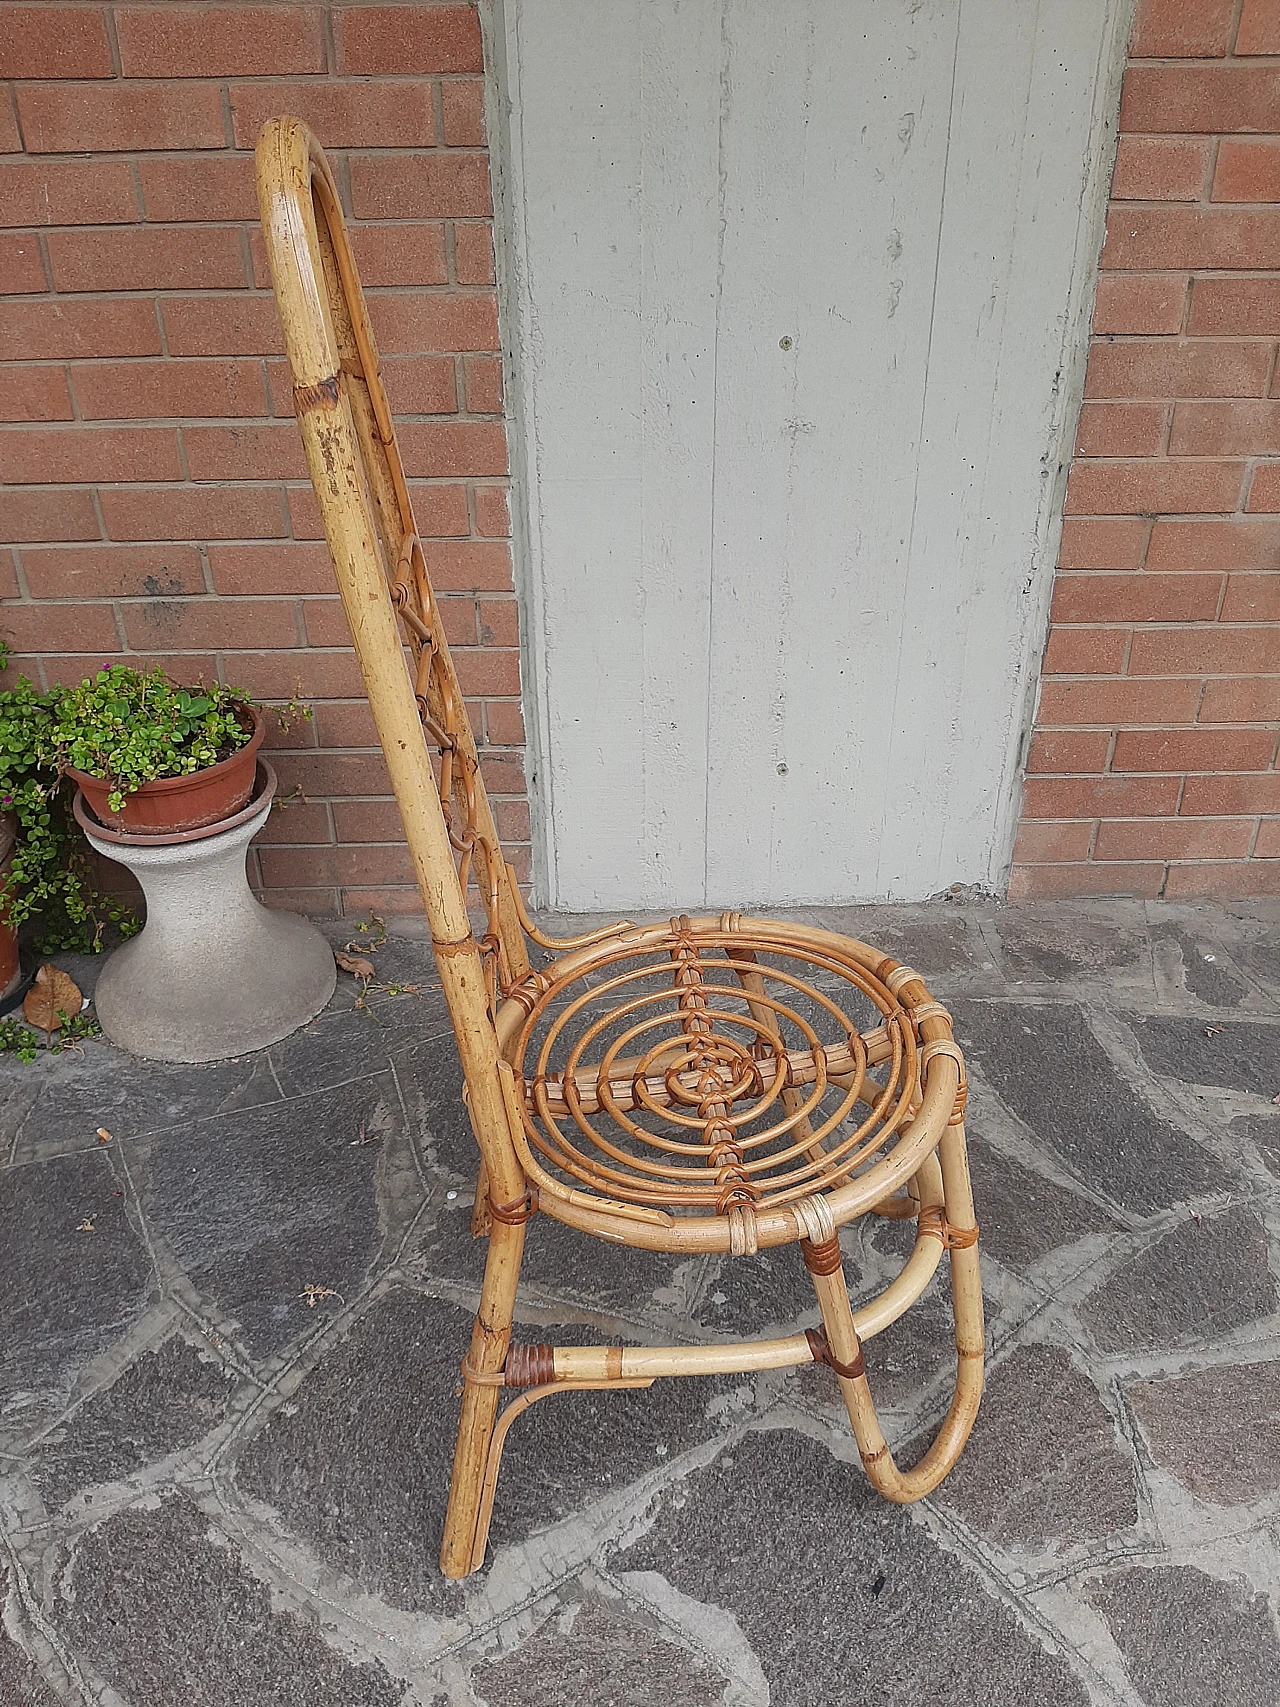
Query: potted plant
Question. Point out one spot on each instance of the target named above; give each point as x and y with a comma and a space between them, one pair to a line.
152, 758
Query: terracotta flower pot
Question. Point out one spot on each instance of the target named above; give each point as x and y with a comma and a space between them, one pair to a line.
175, 803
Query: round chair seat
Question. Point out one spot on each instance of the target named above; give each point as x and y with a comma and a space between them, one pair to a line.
721, 1067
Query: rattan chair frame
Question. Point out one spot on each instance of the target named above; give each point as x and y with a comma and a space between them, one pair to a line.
708, 1181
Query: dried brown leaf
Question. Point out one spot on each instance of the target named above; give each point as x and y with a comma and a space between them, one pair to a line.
353, 963
53, 994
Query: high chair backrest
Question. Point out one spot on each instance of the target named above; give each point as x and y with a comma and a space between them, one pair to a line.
381, 572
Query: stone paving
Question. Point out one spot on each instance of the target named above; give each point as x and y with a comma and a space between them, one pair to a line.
229, 1342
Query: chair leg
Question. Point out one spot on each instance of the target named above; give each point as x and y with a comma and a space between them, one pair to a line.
903, 1486
481, 1220
489, 1342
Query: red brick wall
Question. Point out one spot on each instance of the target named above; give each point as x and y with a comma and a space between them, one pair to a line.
155, 502
1152, 768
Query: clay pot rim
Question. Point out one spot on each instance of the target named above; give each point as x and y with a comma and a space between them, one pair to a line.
264, 788
163, 785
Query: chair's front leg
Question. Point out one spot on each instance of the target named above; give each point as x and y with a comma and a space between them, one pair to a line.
481, 1220
903, 1486
490, 1339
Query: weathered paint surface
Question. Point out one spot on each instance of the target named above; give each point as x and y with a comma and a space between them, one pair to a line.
796, 305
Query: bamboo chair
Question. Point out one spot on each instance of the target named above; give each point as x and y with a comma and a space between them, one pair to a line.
693, 1087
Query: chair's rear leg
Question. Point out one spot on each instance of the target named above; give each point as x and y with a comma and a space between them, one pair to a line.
490, 1339
845, 1348
481, 1220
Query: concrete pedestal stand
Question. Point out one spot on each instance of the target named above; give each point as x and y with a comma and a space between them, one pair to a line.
212, 973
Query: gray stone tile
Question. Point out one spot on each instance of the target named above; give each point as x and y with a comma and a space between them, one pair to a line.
1043, 948
1207, 974
843, 1597
21, 1684
1240, 1055
1189, 1638
351, 1043
1023, 1216
594, 1274
1217, 1431
1264, 1131
1045, 1065
358, 1462
1043, 1465
69, 1294
165, 1613
1196, 1283
165, 1400
262, 1205
604, 1657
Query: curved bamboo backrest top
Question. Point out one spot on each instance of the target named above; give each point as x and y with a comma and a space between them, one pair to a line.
378, 558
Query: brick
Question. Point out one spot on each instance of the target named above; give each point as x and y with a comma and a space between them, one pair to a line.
487, 670
432, 449
8, 576
388, 862
1157, 168
219, 41
1085, 651
117, 118
1234, 307
1209, 99
1076, 704
1100, 797
367, 821
1153, 487
1267, 845
35, 394
1239, 427
1254, 598
10, 138
1140, 302
499, 623
147, 258
1255, 700
482, 377
1121, 429
346, 115
1226, 882
325, 773
326, 622
513, 821
460, 618
493, 520
315, 903
64, 455
439, 510
67, 192
473, 253
239, 325
300, 823
462, 102
1207, 369
161, 390
469, 565
504, 722
193, 512
1217, 651
412, 324
1174, 838
54, 41
214, 187
386, 902
1055, 752
349, 723
1214, 546
1264, 489
1103, 544
59, 628
1221, 796
405, 40
280, 567
405, 254
1040, 843
450, 185
421, 385
38, 514
258, 452
1058, 882
190, 667
107, 572
306, 674
313, 867
1247, 171
1173, 237
1193, 750
21, 264
54, 331
1259, 30
1141, 597
503, 774
194, 624
1191, 29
